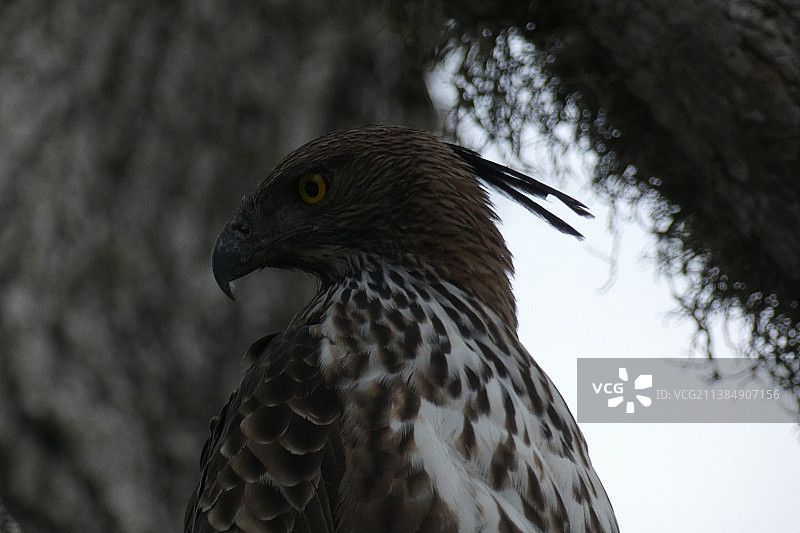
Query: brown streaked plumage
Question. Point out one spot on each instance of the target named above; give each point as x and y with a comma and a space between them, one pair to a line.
400, 398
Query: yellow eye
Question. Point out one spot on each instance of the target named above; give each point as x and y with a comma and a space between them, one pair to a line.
311, 188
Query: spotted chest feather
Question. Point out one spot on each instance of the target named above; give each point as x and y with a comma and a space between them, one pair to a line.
447, 422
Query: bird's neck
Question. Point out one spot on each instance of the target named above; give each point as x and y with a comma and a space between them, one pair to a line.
482, 278
400, 309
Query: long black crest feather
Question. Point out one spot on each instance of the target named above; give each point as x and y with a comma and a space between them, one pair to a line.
516, 186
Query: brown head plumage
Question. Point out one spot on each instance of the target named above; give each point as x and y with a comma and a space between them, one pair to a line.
392, 192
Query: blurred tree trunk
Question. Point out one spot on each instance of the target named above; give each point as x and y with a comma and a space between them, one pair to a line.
129, 132
7, 522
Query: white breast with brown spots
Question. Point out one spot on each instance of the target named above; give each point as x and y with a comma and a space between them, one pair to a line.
447, 422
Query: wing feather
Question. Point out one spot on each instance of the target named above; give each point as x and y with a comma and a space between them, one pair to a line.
274, 460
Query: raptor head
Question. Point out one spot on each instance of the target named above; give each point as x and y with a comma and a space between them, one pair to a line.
386, 192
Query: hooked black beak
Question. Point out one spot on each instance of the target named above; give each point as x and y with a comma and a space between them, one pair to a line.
230, 260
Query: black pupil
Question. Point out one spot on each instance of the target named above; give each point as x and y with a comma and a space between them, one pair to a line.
311, 188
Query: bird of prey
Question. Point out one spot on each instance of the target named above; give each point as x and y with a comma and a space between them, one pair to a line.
400, 398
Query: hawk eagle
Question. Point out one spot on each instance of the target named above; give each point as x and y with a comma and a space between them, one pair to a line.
400, 398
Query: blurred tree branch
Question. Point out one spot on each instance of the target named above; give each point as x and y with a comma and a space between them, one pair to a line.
693, 109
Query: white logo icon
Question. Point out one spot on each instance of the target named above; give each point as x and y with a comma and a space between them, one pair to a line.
644, 381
